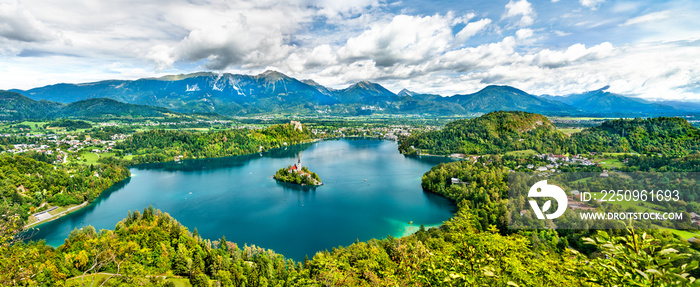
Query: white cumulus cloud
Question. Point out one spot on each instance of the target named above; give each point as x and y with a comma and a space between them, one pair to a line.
405, 39
522, 9
471, 29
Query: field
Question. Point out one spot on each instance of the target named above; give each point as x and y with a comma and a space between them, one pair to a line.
580, 118
91, 157
611, 162
648, 206
522, 153
100, 277
685, 234
569, 131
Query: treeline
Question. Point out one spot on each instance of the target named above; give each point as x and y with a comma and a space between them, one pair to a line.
164, 145
663, 135
27, 183
70, 125
501, 132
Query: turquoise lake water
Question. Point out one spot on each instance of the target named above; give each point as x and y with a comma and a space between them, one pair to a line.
370, 191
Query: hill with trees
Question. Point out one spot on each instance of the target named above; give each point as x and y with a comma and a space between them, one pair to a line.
663, 135
496, 132
165, 145
501, 132
14, 106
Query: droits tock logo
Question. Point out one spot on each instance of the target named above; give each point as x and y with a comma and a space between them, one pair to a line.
542, 189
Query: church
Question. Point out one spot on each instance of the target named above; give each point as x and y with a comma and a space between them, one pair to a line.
297, 167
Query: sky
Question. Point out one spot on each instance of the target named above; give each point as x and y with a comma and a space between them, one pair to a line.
648, 49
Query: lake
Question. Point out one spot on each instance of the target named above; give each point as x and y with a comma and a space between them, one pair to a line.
370, 191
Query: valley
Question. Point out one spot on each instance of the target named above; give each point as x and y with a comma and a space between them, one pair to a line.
478, 152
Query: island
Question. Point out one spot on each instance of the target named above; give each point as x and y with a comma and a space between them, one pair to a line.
297, 174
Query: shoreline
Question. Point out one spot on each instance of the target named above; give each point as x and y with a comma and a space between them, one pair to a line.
56, 216
410, 229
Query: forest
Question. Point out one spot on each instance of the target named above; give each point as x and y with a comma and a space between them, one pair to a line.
493, 133
164, 145
501, 132
28, 185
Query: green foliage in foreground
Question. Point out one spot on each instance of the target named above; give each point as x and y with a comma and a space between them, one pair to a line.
305, 178
465, 251
164, 145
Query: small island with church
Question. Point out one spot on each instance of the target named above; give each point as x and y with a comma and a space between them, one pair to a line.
298, 174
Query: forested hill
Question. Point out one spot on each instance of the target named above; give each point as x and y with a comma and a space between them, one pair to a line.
663, 135
14, 106
165, 145
501, 132
495, 132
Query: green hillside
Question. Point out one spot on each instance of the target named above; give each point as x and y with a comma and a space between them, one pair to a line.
502, 132
663, 135
496, 132
108, 108
14, 106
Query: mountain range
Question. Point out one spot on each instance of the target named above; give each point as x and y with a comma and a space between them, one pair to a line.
14, 106
275, 93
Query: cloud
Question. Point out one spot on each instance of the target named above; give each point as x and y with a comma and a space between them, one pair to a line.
471, 29
577, 52
651, 17
340, 42
591, 4
249, 35
18, 24
524, 33
406, 38
338, 8
522, 9
561, 33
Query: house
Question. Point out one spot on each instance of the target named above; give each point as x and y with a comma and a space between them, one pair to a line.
575, 193
456, 180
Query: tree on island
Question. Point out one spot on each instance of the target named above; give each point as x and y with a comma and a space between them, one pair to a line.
298, 175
